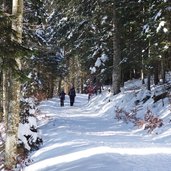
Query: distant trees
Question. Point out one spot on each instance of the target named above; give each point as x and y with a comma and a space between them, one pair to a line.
134, 44
41, 35
144, 39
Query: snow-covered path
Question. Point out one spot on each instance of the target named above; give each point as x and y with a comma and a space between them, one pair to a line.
87, 137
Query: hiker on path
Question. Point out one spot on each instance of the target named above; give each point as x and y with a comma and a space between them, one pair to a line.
62, 97
90, 91
72, 95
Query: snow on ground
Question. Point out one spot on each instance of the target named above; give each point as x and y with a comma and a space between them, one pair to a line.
88, 137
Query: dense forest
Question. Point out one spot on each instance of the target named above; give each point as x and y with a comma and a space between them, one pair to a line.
46, 46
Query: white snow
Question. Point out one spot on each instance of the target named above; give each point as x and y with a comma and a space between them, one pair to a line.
93, 70
165, 30
104, 20
104, 57
157, 15
146, 28
98, 62
88, 137
161, 24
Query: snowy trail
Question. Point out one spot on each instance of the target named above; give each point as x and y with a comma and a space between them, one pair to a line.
86, 137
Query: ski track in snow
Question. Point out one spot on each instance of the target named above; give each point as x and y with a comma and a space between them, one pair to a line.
85, 138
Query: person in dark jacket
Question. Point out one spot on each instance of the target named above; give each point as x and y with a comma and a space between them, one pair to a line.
62, 97
72, 95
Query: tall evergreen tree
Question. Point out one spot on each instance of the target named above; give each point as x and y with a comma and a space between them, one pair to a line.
116, 75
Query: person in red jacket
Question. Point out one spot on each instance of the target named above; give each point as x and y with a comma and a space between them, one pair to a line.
90, 91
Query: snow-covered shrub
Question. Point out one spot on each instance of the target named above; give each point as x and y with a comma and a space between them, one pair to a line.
28, 134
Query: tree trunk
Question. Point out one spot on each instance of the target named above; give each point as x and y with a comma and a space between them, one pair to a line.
7, 8
142, 70
1, 94
149, 70
142, 76
163, 71
116, 75
149, 81
156, 73
59, 85
6, 83
12, 125
14, 106
51, 86
142, 55
72, 71
82, 85
122, 78
17, 23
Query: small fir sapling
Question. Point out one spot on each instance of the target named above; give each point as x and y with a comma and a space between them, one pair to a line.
29, 137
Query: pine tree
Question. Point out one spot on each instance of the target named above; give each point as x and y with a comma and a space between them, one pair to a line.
116, 75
